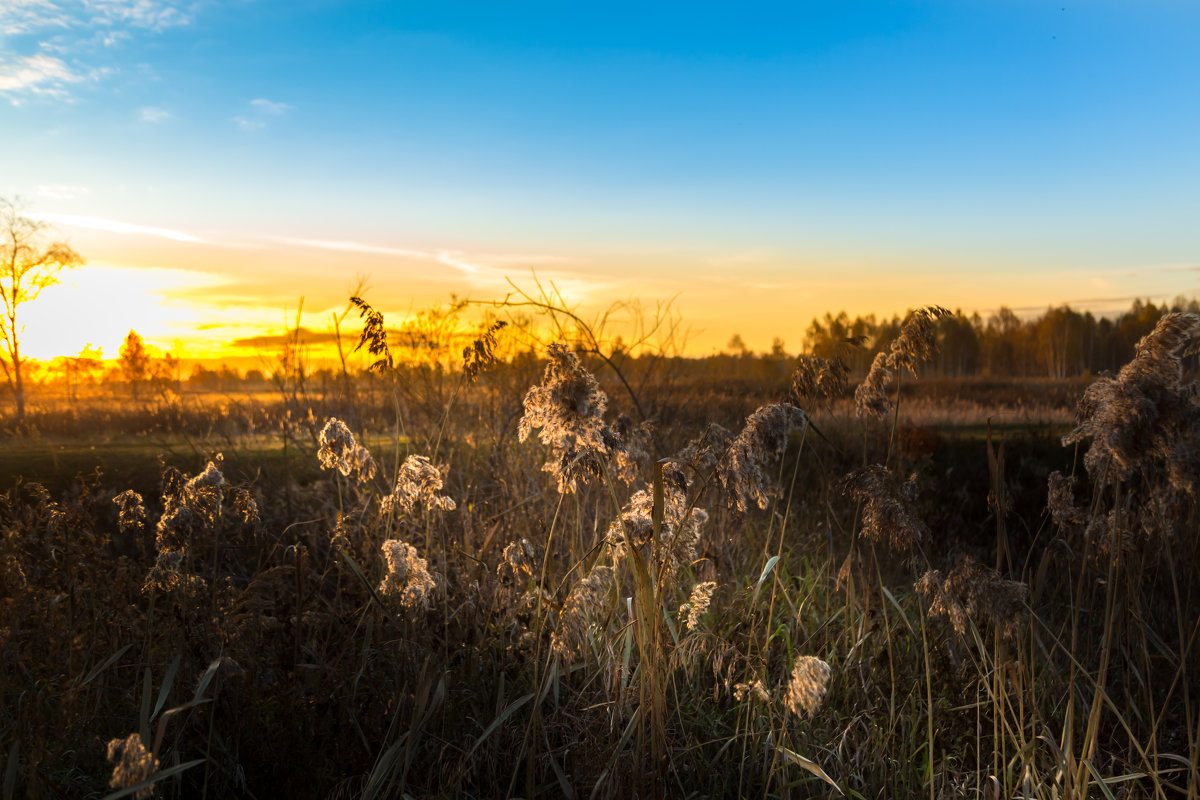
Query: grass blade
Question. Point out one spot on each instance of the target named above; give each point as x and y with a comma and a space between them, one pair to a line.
811, 766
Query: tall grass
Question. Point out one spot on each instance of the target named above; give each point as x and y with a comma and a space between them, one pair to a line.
533, 594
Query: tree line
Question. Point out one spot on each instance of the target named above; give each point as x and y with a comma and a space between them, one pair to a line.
1060, 343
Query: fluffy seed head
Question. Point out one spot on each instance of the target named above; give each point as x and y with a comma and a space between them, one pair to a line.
568, 406
679, 538
819, 380
806, 689
1146, 417
697, 604
764, 438
917, 342
417, 487
754, 689
973, 592
584, 604
131, 511
888, 515
407, 581
134, 764
339, 451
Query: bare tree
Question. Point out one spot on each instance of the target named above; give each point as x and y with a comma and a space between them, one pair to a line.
27, 266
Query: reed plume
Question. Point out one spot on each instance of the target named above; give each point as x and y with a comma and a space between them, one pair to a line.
917, 342
697, 603
134, 764
568, 406
407, 581
765, 437
417, 487
481, 353
339, 451
1146, 417
374, 336
974, 592
679, 539
888, 515
807, 687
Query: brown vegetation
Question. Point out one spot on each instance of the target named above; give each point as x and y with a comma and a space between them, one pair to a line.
764, 594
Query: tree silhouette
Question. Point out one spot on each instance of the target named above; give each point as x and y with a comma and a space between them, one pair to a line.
26, 268
135, 362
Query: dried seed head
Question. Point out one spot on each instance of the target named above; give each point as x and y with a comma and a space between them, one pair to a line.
679, 538
764, 438
481, 353
973, 592
806, 689
134, 764
131, 511
569, 408
697, 604
408, 581
583, 605
374, 336
1145, 417
755, 689
417, 487
517, 560
819, 380
698, 459
191, 507
339, 451
917, 342
888, 516
1060, 500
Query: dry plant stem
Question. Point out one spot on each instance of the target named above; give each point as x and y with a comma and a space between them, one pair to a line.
1088, 750
551, 303
929, 752
539, 677
1186, 643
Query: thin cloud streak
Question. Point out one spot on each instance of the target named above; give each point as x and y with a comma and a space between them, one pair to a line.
116, 226
270, 107
355, 247
259, 110
154, 115
61, 192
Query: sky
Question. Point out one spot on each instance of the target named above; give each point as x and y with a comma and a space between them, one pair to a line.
756, 164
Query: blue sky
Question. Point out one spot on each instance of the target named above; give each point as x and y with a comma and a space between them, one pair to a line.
765, 162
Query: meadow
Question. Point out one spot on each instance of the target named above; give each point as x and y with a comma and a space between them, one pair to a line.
546, 571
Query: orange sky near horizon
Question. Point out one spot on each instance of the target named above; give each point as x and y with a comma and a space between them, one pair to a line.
196, 294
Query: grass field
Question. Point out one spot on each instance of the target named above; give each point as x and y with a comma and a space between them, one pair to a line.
510, 586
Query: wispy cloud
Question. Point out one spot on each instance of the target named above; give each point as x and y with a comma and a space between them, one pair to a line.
482, 269
742, 258
28, 17
154, 115
53, 44
36, 75
61, 192
270, 106
355, 247
116, 226
257, 113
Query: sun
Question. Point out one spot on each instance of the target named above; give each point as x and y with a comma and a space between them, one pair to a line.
99, 304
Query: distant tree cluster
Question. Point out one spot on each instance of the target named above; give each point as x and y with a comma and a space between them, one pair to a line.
1060, 343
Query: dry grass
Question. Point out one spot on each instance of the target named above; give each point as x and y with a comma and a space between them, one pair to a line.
775, 600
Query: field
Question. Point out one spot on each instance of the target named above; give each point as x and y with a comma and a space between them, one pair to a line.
500, 580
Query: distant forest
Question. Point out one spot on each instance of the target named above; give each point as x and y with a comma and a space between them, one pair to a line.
1061, 343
